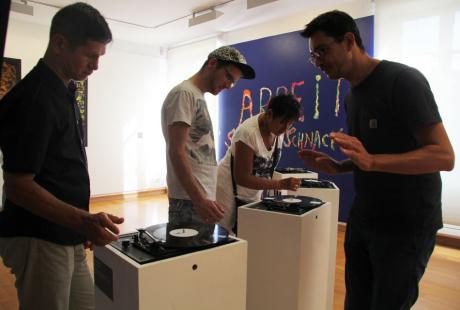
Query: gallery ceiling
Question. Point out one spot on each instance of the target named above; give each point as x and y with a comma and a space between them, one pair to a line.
166, 22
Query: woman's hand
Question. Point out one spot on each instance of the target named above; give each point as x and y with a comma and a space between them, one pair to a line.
291, 184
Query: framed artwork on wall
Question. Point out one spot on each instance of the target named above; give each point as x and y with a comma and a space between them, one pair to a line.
11, 74
81, 96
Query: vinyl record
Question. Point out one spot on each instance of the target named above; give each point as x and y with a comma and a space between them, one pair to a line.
291, 200
315, 183
292, 170
289, 203
188, 235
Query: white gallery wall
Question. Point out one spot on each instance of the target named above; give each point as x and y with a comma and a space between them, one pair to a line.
425, 34
125, 145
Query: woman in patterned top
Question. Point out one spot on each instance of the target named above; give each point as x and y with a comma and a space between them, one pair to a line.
253, 154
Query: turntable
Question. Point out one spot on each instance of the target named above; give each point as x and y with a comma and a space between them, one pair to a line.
165, 240
290, 252
288, 204
290, 172
172, 266
322, 189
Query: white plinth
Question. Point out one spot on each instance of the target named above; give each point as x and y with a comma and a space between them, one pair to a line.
205, 280
291, 258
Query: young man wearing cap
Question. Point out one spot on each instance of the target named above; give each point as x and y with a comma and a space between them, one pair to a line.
396, 147
187, 129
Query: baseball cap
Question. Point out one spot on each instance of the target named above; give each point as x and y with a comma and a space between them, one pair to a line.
233, 56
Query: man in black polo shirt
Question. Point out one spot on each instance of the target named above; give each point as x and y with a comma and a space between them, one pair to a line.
45, 224
396, 147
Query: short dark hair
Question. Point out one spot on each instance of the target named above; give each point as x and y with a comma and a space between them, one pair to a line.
334, 24
284, 106
80, 22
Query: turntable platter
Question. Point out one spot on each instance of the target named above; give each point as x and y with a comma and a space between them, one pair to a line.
185, 235
183, 232
291, 200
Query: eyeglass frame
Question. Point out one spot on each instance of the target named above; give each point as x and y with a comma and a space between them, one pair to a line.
321, 51
229, 77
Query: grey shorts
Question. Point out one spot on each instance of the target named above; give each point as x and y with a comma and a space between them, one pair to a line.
48, 275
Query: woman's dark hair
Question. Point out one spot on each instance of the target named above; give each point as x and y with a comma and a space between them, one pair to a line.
334, 24
80, 22
284, 106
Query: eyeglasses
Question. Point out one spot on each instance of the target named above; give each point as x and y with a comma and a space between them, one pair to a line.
229, 78
319, 52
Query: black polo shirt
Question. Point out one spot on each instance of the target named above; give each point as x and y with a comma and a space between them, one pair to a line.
39, 134
384, 112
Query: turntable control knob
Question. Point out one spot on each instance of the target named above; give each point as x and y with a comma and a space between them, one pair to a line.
125, 243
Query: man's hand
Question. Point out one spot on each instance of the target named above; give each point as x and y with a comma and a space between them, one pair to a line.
353, 149
289, 184
209, 211
319, 161
100, 228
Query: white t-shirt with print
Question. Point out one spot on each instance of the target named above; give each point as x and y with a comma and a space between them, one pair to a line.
248, 133
185, 103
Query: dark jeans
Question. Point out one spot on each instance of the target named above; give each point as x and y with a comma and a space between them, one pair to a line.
383, 269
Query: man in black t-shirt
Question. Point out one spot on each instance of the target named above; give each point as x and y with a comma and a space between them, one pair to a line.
396, 147
45, 225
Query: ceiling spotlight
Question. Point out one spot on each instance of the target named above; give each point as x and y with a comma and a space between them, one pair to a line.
23, 8
254, 3
203, 18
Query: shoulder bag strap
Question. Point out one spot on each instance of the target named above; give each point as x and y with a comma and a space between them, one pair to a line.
235, 193
275, 158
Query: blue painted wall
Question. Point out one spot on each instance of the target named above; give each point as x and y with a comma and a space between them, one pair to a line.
281, 64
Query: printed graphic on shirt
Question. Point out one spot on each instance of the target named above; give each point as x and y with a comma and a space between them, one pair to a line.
202, 148
262, 166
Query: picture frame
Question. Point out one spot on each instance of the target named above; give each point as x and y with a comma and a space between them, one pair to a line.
81, 97
11, 74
